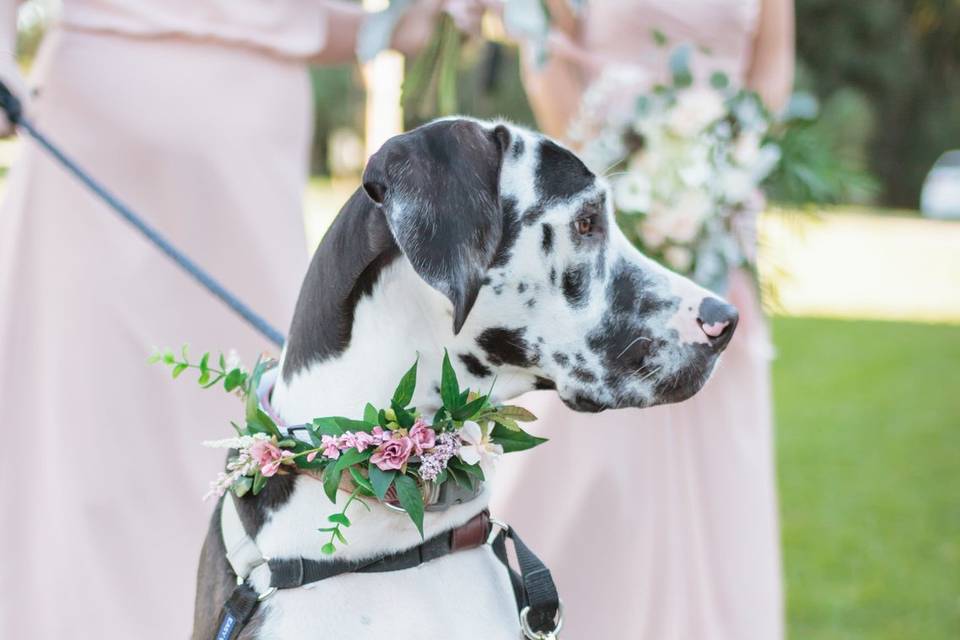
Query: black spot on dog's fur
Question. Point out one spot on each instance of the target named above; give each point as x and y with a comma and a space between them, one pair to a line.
579, 357
511, 229
561, 359
521, 287
474, 366
546, 242
505, 346
533, 214
576, 285
543, 384
561, 174
531, 303
498, 289
254, 510
553, 276
517, 148
583, 375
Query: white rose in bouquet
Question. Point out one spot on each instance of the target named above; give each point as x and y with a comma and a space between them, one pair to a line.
632, 192
694, 110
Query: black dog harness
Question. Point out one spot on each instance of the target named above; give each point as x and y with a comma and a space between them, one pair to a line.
538, 604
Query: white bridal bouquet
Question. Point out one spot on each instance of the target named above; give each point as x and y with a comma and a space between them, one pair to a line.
685, 166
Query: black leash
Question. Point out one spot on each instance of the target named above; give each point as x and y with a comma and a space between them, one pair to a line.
11, 104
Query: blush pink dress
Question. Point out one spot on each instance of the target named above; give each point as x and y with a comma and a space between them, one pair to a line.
661, 524
198, 114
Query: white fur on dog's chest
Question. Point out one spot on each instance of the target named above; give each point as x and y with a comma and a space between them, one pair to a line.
464, 596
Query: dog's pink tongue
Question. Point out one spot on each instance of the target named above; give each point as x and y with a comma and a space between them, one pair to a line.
714, 330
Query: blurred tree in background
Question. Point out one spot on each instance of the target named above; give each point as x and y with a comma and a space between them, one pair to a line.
887, 73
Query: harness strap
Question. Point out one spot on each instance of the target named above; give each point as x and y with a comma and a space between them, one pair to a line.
289, 573
536, 595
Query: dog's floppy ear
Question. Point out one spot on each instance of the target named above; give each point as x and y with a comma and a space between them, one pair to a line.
438, 187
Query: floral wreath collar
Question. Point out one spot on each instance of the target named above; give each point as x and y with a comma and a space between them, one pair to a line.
392, 454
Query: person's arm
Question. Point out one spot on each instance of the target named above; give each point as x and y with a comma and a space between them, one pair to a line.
772, 62
9, 71
344, 20
555, 88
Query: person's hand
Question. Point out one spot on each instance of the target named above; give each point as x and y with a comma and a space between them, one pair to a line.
10, 76
416, 26
468, 14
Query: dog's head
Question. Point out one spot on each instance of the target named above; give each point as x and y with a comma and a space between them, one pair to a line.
520, 237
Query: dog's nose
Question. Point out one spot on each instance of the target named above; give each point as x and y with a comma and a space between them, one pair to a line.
718, 320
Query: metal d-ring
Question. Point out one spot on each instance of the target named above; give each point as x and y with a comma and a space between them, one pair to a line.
270, 590
530, 634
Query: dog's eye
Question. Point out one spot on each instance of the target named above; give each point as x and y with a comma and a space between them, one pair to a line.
584, 225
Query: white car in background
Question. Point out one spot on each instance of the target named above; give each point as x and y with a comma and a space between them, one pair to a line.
940, 197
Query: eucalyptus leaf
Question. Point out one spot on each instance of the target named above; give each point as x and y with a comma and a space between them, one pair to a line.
404, 392
327, 427
381, 480
180, 368
242, 486
404, 418
449, 386
360, 481
517, 413
346, 424
680, 66
328, 548
339, 518
259, 482
468, 410
512, 440
351, 457
411, 499
331, 482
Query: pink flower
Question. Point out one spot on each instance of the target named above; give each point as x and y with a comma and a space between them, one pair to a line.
362, 440
264, 451
393, 453
347, 441
381, 435
312, 456
268, 456
423, 436
330, 448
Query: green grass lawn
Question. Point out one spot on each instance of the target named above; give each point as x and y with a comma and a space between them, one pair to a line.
868, 418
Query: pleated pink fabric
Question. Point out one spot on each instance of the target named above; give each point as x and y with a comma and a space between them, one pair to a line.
102, 517
661, 524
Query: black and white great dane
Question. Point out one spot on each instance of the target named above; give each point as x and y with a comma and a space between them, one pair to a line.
500, 245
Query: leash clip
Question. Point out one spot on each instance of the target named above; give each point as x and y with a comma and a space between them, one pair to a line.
530, 634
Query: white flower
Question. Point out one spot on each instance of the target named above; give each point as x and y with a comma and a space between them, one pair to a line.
238, 442
746, 148
736, 185
679, 258
682, 220
631, 192
694, 110
233, 361
478, 448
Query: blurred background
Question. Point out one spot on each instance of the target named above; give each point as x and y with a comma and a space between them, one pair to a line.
866, 315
